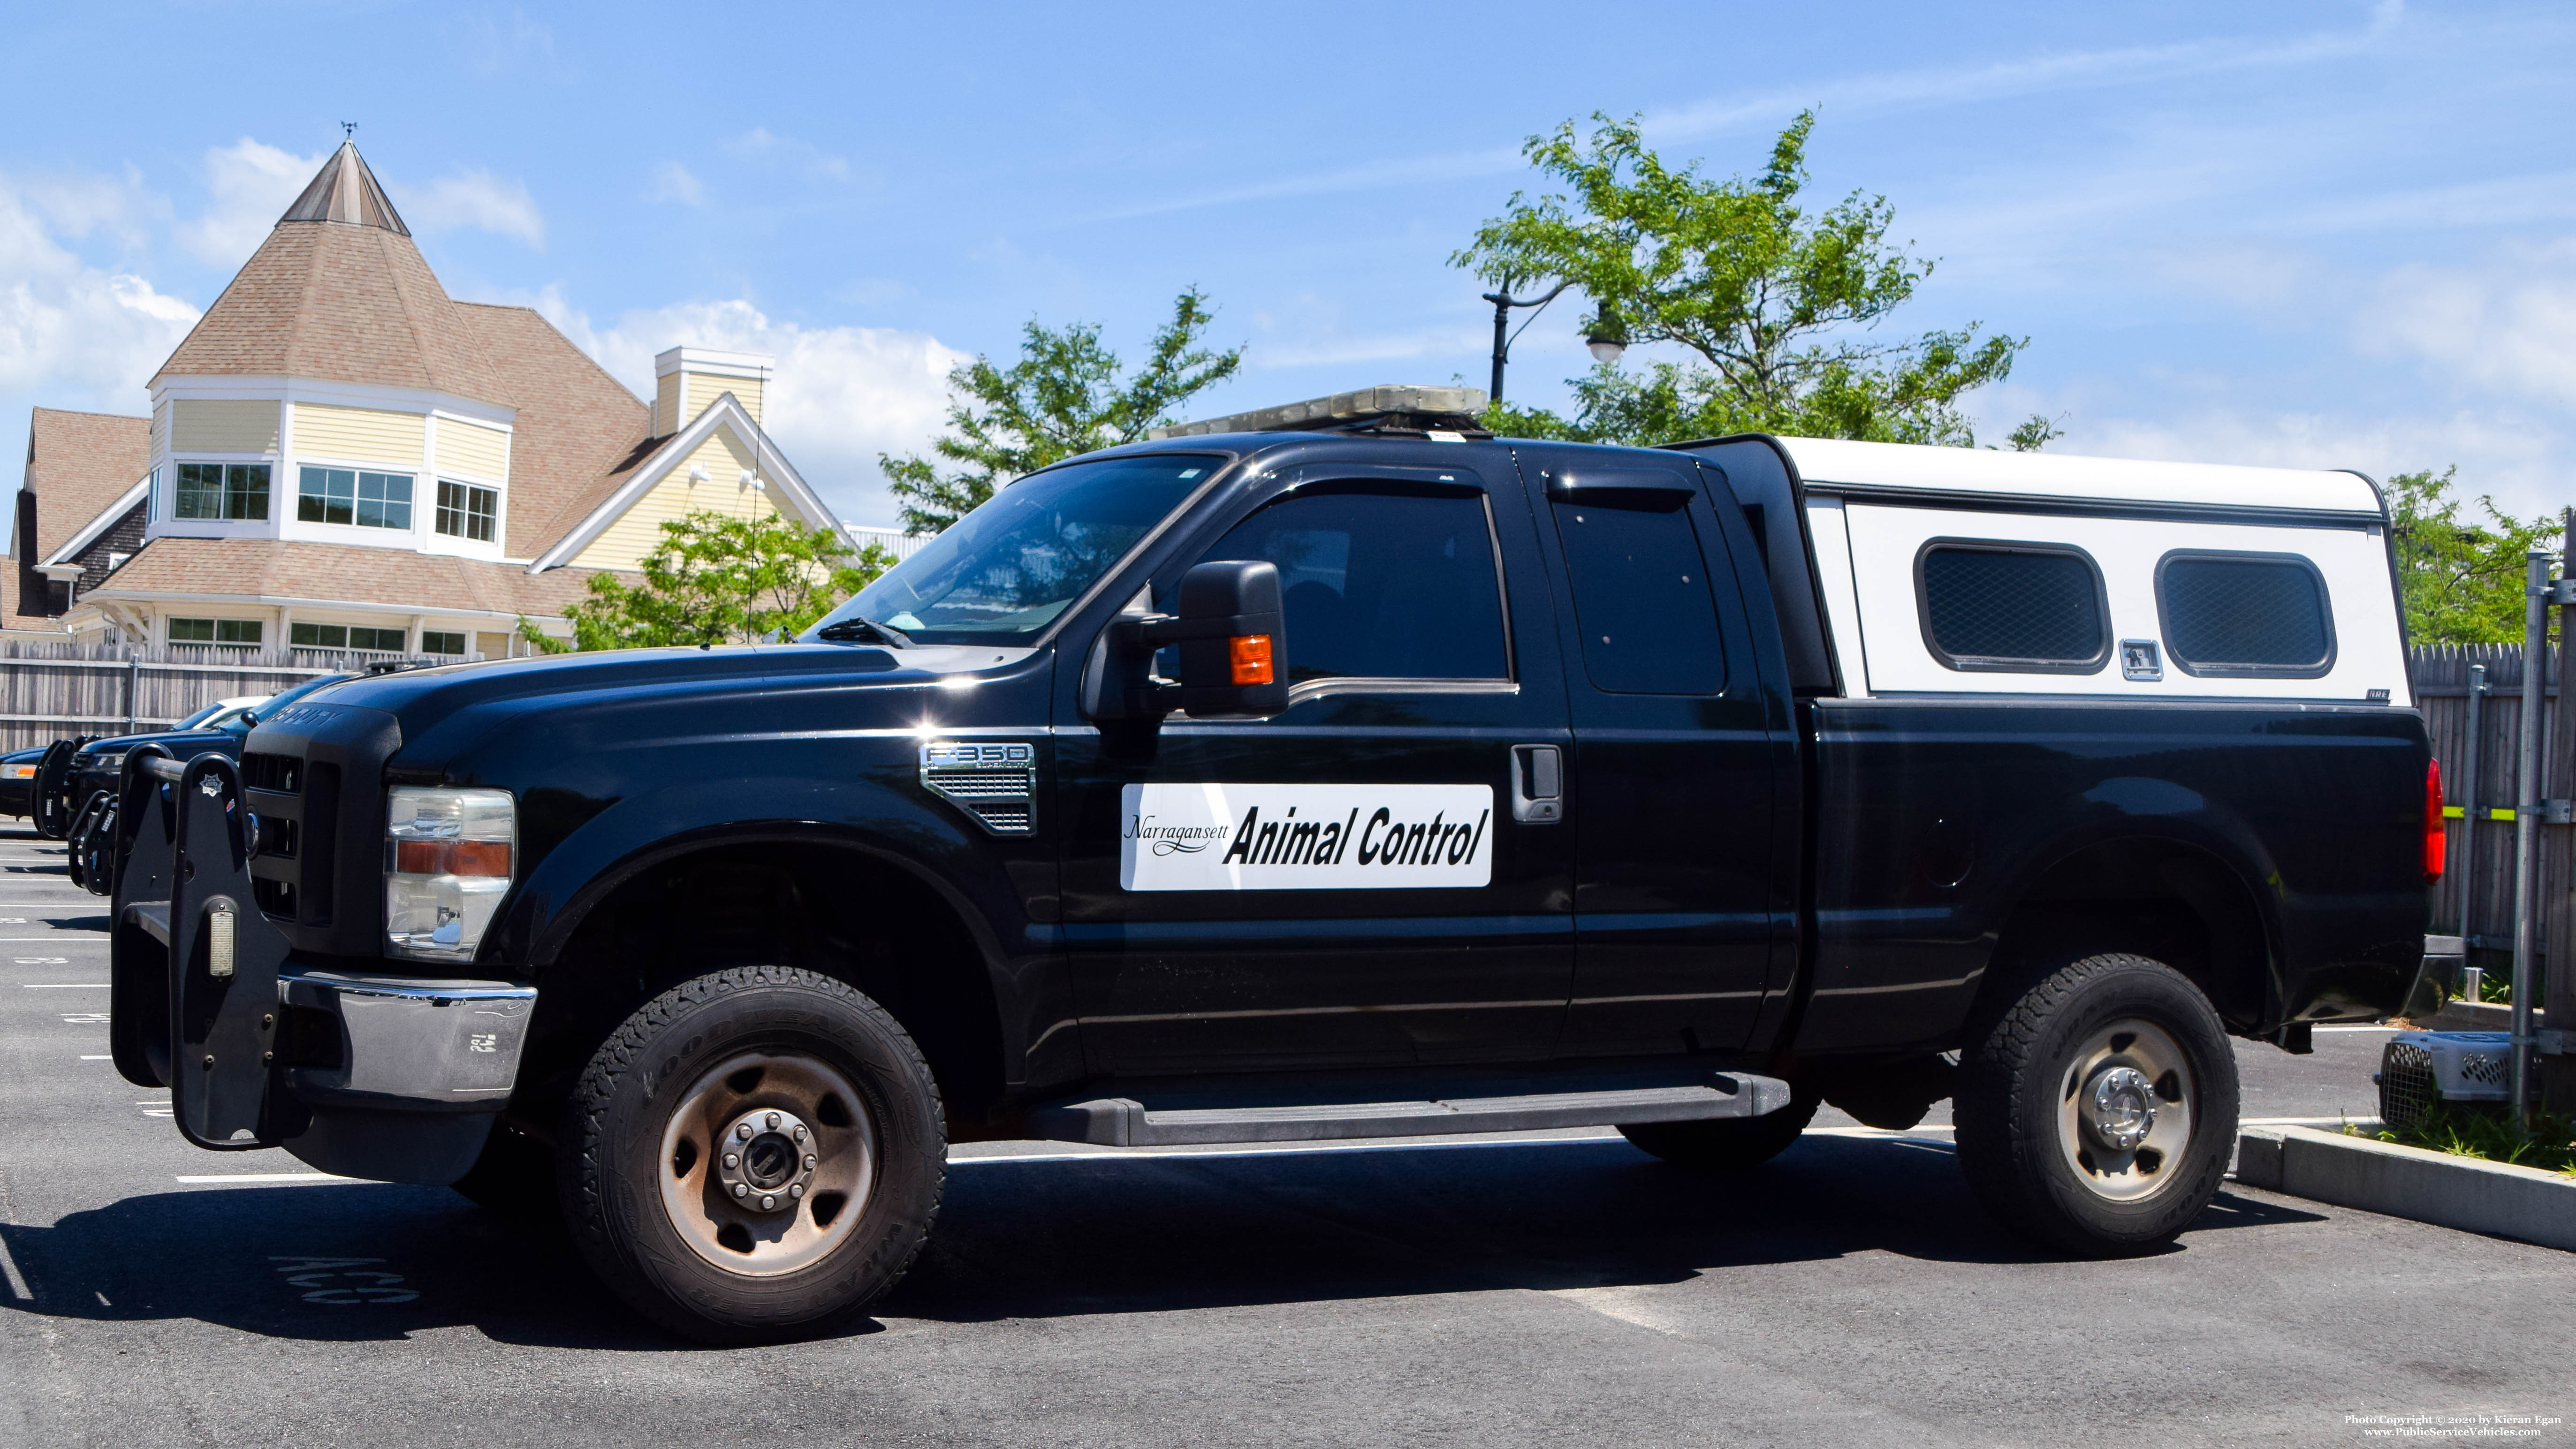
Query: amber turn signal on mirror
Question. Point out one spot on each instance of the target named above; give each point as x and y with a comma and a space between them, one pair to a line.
1251, 656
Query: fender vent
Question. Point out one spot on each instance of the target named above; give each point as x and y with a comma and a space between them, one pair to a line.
996, 782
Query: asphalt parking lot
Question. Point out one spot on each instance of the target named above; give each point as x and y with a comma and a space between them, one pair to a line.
1556, 1290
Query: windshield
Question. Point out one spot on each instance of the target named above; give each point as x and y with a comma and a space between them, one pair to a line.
240, 724
1002, 573
201, 716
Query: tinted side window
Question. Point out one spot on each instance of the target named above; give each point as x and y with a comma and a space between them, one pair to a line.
2023, 607
2261, 614
1641, 599
1381, 585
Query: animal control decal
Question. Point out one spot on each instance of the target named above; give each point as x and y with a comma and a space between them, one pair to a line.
1306, 837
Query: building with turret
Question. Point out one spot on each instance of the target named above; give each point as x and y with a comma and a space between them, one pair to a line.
342, 456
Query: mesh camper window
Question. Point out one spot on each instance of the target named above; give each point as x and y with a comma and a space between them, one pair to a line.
2020, 607
2260, 615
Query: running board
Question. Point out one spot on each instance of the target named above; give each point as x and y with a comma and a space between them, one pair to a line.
1123, 1122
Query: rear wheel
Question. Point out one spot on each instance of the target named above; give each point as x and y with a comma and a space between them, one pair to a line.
2096, 1114
1727, 1144
756, 1153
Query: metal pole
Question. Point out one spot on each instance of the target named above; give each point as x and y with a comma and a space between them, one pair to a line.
2526, 824
2471, 978
1502, 345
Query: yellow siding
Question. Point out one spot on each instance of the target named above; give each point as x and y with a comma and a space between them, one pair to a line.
477, 451
704, 389
359, 435
161, 430
226, 427
492, 646
638, 531
666, 405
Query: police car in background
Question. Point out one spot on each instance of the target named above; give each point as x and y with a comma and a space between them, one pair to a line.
1334, 772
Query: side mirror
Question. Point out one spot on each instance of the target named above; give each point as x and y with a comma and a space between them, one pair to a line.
1231, 635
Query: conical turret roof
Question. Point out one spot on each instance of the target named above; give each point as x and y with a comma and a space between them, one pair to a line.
344, 190
340, 292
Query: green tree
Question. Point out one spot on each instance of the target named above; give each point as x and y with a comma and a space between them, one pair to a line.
1064, 396
716, 579
2461, 579
1773, 300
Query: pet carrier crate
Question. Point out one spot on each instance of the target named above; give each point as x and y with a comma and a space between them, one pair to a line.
2420, 1068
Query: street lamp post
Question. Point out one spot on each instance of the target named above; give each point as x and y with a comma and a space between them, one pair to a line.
1504, 302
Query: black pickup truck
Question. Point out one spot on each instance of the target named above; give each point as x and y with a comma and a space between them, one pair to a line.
1337, 772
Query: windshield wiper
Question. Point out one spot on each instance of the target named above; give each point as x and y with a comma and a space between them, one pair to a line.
855, 630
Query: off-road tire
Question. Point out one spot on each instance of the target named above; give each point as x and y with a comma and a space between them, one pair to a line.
2019, 1073
1725, 1144
625, 1100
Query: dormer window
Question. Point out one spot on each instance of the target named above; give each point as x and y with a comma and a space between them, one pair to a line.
223, 490
348, 495
466, 511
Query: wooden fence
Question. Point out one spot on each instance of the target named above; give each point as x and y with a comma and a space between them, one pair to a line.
48, 691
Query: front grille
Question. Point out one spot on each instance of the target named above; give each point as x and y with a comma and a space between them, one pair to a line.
292, 874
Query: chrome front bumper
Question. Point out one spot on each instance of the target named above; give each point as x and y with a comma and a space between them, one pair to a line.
420, 1071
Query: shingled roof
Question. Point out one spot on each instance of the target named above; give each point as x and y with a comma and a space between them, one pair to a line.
274, 571
339, 292
77, 464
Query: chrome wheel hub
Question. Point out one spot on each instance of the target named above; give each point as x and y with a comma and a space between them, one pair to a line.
766, 1160
2125, 1110
2121, 1107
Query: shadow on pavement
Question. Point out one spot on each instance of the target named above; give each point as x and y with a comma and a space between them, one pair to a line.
1056, 1238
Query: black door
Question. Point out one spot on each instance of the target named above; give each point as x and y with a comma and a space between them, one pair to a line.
1344, 883
1684, 862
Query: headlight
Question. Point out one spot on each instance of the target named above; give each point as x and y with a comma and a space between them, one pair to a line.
103, 759
447, 865
22, 772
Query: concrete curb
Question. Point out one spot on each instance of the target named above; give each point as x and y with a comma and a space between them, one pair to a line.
2495, 1198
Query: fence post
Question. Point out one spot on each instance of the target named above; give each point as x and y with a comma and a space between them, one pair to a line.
2556, 993
2471, 977
133, 682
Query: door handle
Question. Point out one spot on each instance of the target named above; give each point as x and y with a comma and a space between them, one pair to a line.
1538, 784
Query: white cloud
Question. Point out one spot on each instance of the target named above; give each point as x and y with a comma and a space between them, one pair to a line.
2508, 326
252, 184
2520, 459
673, 182
840, 396
72, 334
760, 144
475, 199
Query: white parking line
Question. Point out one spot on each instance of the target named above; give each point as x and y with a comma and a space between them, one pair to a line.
17, 1280
99, 1057
64, 985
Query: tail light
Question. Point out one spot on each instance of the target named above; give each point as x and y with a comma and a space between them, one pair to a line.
2436, 840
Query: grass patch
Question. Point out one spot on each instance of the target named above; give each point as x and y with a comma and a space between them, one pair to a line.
2484, 1132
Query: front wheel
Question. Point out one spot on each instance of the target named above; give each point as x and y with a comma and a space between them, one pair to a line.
756, 1153
2096, 1114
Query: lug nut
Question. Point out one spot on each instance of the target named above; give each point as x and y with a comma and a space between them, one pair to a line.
732, 1161
766, 1203
739, 1190
809, 1162
773, 1121
798, 1190
743, 1132
800, 1131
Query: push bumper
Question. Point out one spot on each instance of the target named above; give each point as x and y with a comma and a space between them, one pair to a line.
399, 1079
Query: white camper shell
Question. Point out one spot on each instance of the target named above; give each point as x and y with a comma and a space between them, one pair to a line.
1958, 571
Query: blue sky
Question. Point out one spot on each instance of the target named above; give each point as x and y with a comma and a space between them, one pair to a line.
2333, 234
